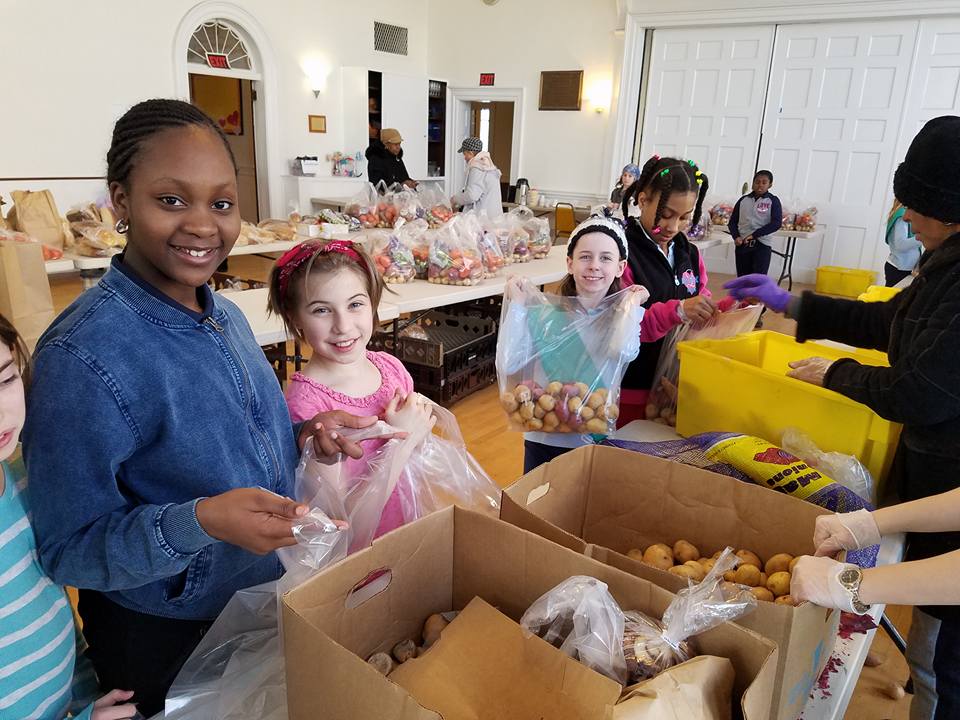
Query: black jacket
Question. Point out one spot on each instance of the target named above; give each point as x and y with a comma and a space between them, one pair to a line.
651, 269
384, 165
920, 330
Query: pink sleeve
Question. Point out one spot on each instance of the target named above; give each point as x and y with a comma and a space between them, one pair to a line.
659, 319
704, 290
304, 402
626, 280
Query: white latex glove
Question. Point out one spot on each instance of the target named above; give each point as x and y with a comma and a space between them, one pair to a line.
812, 370
815, 579
845, 531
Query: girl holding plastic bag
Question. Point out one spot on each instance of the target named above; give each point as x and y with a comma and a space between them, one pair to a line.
327, 294
576, 354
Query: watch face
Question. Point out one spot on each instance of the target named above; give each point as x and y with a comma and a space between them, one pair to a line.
849, 575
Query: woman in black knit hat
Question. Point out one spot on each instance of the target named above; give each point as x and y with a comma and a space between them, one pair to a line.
920, 331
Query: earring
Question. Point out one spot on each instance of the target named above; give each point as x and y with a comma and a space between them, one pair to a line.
122, 226
656, 230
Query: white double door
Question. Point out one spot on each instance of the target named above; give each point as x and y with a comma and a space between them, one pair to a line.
832, 109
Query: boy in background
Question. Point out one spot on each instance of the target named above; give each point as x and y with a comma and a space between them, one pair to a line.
755, 217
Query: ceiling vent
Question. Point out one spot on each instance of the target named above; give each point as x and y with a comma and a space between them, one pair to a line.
389, 38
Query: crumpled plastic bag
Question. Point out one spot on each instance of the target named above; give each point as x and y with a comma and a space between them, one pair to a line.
582, 619
844, 469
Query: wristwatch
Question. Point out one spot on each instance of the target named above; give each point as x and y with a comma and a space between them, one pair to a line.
850, 578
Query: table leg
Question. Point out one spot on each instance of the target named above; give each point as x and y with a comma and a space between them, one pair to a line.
89, 278
786, 272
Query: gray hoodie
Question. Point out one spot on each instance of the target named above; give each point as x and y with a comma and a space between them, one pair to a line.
482, 189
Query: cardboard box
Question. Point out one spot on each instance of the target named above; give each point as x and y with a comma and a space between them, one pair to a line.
380, 595
603, 501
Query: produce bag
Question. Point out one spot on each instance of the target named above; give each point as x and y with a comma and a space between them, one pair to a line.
721, 212
25, 298
582, 619
436, 205
36, 214
732, 320
49, 253
453, 259
559, 366
365, 206
94, 239
406, 204
845, 469
393, 257
806, 220
469, 227
415, 236
538, 242
335, 218
514, 240
699, 230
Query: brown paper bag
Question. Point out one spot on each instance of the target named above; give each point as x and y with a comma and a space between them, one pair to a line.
699, 689
36, 214
25, 298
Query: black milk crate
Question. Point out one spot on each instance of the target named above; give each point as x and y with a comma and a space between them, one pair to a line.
446, 390
488, 307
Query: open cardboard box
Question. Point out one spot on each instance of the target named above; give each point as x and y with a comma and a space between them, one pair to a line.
603, 501
442, 562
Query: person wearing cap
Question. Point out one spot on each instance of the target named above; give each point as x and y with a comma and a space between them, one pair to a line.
920, 331
628, 176
596, 260
385, 160
482, 188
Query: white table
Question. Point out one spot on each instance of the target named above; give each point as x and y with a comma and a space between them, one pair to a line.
269, 329
790, 245
333, 203
822, 706
712, 239
57, 267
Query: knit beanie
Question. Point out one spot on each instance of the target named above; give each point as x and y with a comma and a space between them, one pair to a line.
928, 179
600, 224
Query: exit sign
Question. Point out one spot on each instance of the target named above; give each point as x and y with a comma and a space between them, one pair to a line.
216, 60
486, 79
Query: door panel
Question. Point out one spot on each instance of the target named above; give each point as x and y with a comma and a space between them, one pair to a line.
834, 108
705, 99
405, 107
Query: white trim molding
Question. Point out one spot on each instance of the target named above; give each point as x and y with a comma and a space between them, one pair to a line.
627, 118
270, 165
742, 12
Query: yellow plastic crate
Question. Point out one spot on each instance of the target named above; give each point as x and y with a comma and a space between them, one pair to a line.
740, 385
846, 282
878, 293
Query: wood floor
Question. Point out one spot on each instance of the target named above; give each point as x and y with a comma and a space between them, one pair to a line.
501, 454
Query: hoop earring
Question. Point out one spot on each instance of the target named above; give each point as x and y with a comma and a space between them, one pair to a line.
122, 226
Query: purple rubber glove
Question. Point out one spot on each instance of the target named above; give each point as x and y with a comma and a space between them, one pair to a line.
759, 287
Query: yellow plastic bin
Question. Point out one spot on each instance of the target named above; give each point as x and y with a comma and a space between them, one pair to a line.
846, 282
740, 385
878, 293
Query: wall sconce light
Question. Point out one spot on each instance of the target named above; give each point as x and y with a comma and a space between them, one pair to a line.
600, 93
316, 71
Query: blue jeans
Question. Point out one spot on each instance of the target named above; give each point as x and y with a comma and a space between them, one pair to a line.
933, 653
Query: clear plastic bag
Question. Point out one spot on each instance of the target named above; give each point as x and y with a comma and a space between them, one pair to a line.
454, 260
512, 237
538, 241
414, 236
581, 618
720, 212
405, 203
436, 205
806, 220
393, 257
844, 469
559, 366
698, 231
369, 208
469, 227
732, 320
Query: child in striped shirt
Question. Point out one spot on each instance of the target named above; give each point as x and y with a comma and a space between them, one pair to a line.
43, 673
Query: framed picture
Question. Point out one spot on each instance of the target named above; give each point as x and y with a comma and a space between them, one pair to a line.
560, 89
317, 123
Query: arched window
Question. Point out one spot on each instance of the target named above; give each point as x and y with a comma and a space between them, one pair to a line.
215, 44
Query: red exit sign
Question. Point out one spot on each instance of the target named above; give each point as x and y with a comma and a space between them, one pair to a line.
486, 79
218, 61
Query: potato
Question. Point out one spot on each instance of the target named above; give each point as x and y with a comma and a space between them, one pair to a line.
684, 551
717, 554
635, 554
382, 662
509, 402
602, 392
696, 567
551, 420
534, 424
730, 576
526, 410
611, 412
554, 388
746, 557
659, 556
563, 427
432, 629
779, 583
685, 571
707, 564
404, 650
522, 393
894, 690
596, 400
597, 426
547, 402
761, 593
778, 563
583, 390
516, 419
763, 579
573, 404
785, 600
652, 411
586, 413
747, 575
539, 412
792, 563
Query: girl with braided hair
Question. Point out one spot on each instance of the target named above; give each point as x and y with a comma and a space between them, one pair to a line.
664, 201
160, 489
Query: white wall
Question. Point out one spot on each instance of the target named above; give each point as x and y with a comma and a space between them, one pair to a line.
561, 152
94, 65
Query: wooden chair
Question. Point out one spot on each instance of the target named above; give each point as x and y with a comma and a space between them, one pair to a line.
564, 220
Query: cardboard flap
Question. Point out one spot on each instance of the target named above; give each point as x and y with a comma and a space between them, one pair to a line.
699, 689
484, 668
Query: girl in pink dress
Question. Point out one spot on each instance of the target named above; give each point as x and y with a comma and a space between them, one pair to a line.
327, 294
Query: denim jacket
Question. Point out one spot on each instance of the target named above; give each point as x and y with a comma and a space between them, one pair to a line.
139, 408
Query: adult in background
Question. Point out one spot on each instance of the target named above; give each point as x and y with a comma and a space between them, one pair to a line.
385, 160
628, 177
755, 216
919, 329
482, 188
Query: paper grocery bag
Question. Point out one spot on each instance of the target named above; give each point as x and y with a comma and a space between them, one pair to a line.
25, 298
36, 214
699, 689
